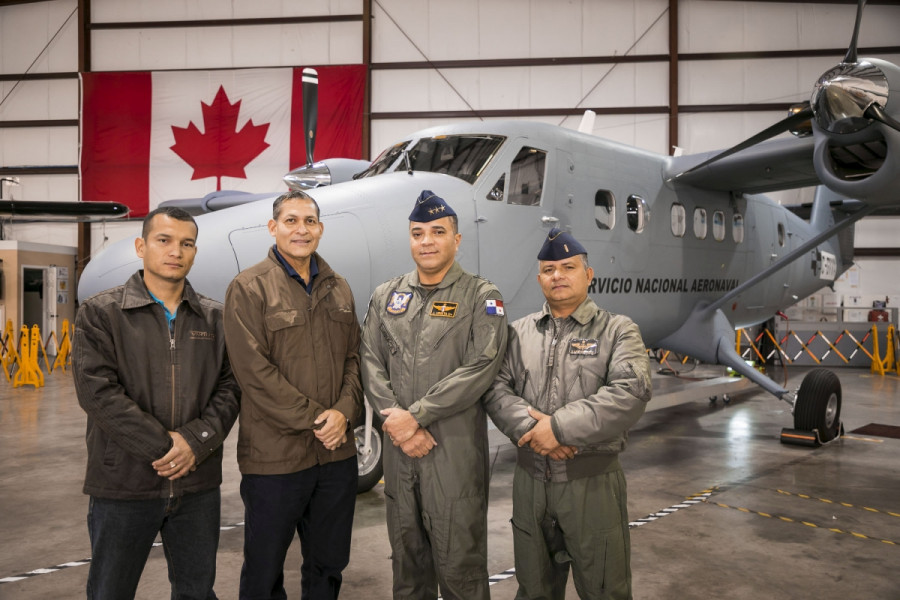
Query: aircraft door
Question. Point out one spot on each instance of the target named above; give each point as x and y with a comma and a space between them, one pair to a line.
514, 214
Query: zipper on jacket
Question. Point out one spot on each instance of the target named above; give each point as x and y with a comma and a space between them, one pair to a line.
172, 367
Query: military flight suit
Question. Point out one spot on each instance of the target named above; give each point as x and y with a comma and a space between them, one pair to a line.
590, 371
434, 351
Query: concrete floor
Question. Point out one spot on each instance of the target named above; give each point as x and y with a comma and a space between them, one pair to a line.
780, 522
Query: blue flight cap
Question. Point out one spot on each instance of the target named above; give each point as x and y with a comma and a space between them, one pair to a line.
430, 207
559, 245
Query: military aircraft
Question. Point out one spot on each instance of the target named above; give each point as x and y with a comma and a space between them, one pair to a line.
687, 246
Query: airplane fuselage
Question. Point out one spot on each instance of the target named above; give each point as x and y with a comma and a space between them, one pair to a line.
659, 252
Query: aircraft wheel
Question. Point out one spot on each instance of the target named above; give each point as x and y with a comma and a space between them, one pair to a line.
819, 404
726, 399
712, 400
370, 466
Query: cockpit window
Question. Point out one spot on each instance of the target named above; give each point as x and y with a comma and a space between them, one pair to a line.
463, 156
384, 161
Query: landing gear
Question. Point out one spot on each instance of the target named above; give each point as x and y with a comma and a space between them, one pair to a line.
817, 411
368, 457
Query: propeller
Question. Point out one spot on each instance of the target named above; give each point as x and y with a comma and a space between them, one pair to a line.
310, 110
846, 99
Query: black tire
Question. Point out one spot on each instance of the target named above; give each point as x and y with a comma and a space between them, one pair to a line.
370, 467
819, 404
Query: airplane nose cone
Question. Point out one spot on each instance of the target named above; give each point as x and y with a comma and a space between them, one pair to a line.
111, 267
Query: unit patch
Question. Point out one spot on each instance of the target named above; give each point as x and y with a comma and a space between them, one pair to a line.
494, 307
443, 309
584, 347
398, 302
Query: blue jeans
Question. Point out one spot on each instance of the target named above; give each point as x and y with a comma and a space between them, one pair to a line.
122, 533
318, 504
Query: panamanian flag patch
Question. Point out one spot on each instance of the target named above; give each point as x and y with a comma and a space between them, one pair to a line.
494, 307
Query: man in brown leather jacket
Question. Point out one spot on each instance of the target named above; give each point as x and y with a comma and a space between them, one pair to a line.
152, 375
574, 380
291, 322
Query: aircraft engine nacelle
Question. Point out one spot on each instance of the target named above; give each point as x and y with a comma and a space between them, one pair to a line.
857, 135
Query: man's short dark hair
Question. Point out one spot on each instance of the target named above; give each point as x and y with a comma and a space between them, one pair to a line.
292, 195
173, 212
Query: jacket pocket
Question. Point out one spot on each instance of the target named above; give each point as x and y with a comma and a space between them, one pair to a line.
282, 319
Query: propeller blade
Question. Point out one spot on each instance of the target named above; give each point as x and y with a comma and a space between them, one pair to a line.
770, 132
310, 110
877, 113
850, 58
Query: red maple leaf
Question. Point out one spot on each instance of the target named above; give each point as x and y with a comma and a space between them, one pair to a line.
221, 151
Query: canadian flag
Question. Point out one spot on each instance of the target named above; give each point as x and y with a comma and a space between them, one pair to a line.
147, 137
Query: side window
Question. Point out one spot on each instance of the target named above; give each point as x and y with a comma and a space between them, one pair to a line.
700, 223
737, 228
637, 213
719, 225
604, 209
496, 193
526, 180
678, 220
781, 234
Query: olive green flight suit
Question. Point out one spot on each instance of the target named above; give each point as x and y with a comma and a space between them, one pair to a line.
590, 371
434, 352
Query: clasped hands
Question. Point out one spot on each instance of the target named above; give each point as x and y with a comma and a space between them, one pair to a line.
330, 428
543, 441
178, 461
402, 428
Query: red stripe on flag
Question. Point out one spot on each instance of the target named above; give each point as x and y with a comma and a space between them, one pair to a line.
115, 138
341, 99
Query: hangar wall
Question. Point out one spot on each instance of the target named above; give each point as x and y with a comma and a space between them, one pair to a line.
526, 59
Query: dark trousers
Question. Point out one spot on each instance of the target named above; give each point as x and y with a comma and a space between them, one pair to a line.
318, 504
122, 533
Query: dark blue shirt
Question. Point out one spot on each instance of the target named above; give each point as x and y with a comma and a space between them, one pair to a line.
313, 270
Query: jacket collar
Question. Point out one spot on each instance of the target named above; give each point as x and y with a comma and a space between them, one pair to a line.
449, 279
324, 269
135, 293
585, 312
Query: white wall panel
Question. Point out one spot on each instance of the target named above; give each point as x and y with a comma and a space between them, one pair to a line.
26, 29
227, 47
39, 99
168, 10
39, 146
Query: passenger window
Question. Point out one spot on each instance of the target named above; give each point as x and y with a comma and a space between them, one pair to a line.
637, 213
496, 193
737, 228
700, 223
678, 220
604, 209
719, 225
527, 177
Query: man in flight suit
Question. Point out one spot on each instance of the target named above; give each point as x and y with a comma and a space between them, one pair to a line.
432, 343
574, 380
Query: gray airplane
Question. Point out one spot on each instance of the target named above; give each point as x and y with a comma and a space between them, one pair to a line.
687, 247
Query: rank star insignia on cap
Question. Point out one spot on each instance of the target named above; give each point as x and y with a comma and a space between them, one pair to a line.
559, 245
430, 207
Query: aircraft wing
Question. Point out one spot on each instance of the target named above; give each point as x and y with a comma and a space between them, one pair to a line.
780, 164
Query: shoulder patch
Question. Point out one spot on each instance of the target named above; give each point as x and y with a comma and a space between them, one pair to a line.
398, 303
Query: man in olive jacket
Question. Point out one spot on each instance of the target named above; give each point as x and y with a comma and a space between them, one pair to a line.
152, 375
574, 380
432, 343
291, 322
